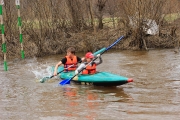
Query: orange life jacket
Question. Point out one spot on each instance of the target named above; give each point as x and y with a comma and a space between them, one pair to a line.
70, 62
90, 69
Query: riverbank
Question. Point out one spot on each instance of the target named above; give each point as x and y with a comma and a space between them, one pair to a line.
84, 41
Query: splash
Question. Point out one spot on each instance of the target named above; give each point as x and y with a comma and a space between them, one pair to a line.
40, 72
39, 69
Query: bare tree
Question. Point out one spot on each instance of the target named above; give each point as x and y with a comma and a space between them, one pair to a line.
112, 9
99, 11
76, 8
52, 25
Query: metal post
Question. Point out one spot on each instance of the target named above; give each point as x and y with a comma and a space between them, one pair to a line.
19, 25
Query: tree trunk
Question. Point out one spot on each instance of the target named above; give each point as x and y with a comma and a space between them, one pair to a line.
73, 12
145, 46
92, 16
100, 22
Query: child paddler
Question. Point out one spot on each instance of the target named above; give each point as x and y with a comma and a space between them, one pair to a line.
89, 68
70, 61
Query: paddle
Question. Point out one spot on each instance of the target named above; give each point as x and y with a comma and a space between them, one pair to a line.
67, 80
47, 78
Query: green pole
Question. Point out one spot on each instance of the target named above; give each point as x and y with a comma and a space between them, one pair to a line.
19, 25
2, 34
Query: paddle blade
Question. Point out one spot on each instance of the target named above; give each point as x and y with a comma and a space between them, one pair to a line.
44, 79
66, 81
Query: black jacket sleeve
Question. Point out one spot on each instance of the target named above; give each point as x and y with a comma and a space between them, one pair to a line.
64, 60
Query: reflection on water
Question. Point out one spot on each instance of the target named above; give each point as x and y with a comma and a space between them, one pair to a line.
154, 94
85, 101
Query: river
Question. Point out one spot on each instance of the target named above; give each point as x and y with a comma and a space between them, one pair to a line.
153, 95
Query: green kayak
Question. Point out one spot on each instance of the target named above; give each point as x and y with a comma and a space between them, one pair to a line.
99, 79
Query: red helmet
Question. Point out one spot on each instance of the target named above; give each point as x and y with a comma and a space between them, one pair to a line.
89, 55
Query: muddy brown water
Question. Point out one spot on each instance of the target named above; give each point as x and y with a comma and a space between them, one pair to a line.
154, 94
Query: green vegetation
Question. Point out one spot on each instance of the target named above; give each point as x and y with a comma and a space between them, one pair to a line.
171, 17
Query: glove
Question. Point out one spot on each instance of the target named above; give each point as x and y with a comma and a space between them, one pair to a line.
98, 55
76, 72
